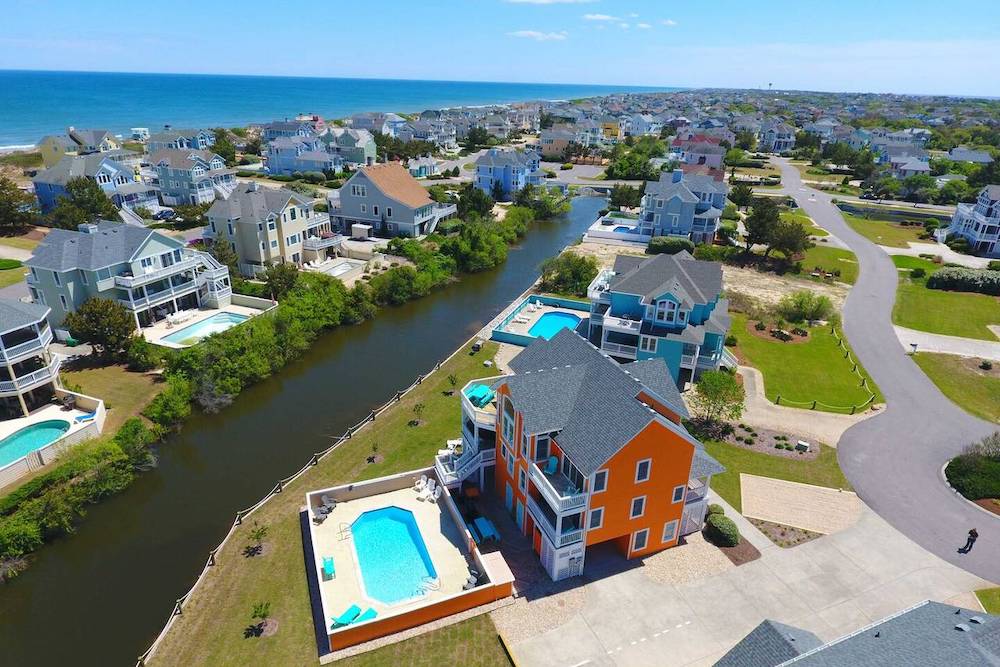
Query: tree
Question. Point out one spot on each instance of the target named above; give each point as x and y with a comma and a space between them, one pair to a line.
104, 323
762, 222
252, 147
83, 203
223, 147
718, 397
476, 137
281, 278
496, 191
473, 200
790, 238
568, 273
224, 253
746, 140
734, 156
741, 195
17, 207
886, 187
625, 196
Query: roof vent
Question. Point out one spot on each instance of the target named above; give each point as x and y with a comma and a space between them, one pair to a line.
978, 620
962, 627
87, 228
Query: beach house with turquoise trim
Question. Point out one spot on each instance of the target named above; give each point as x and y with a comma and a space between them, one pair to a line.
665, 306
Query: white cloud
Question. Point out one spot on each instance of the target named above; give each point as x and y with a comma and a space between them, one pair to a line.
669, 22
600, 17
633, 15
643, 26
550, 2
623, 26
539, 36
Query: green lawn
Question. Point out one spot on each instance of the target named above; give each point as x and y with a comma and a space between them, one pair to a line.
210, 631
803, 372
990, 599
964, 314
20, 242
958, 378
822, 471
11, 276
471, 643
804, 220
124, 393
831, 259
817, 174
883, 232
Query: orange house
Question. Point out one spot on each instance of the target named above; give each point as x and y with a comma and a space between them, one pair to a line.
588, 451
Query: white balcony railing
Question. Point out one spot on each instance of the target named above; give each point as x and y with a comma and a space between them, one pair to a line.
729, 359
622, 324
559, 501
25, 382
687, 360
158, 274
27, 347
542, 521
708, 361
620, 350
319, 243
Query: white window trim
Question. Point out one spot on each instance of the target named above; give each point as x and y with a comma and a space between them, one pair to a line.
648, 344
522, 480
599, 513
672, 525
649, 470
594, 485
631, 508
645, 533
679, 488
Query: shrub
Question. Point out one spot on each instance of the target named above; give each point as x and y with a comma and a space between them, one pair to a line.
966, 280
173, 404
976, 472
715, 253
918, 273
142, 355
568, 273
721, 531
730, 341
668, 245
566, 165
994, 265
19, 536
805, 305
715, 508
6, 264
730, 213
759, 326
986, 365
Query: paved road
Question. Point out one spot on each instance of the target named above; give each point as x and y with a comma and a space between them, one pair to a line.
894, 460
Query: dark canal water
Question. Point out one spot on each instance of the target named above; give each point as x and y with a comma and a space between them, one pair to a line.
99, 596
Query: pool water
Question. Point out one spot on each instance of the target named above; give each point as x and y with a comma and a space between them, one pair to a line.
217, 323
391, 554
30, 438
549, 324
623, 230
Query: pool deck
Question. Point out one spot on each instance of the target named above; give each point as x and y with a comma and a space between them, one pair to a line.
45, 413
156, 333
444, 542
523, 329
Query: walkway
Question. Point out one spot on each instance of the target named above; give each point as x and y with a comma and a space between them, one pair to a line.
932, 342
832, 585
894, 460
941, 250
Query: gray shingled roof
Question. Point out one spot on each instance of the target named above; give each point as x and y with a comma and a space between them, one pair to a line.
654, 276
252, 203
769, 644
111, 243
74, 166
567, 385
15, 314
929, 634
182, 158
502, 158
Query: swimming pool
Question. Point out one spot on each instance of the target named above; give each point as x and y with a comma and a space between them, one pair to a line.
549, 324
391, 554
624, 230
30, 438
193, 333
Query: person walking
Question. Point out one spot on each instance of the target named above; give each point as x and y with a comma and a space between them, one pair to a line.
973, 536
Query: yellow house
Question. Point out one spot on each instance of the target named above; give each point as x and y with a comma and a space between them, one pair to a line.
610, 129
55, 147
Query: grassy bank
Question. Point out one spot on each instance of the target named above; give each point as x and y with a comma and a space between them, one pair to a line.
975, 390
471, 643
883, 232
963, 314
990, 599
210, 631
125, 393
822, 471
802, 372
831, 260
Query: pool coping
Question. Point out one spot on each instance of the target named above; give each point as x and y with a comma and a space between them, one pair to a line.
499, 332
165, 342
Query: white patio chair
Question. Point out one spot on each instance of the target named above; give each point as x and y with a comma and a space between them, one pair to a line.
420, 484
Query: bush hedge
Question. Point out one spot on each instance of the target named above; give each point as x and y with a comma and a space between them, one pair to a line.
721, 531
715, 508
6, 264
976, 472
960, 279
668, 245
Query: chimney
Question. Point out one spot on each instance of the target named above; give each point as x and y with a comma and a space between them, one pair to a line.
87, 228
677, 176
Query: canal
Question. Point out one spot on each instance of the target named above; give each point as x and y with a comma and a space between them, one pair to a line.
99, 596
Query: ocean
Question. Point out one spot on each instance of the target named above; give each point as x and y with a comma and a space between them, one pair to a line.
33, 104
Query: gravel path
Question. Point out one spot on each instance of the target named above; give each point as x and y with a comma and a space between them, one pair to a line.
894, 460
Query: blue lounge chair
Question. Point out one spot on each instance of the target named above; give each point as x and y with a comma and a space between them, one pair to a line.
347, 617
85, 418
475, 533
329, 571
369, 615
552, 465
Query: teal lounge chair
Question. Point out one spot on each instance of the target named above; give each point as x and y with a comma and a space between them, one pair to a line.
369, 615
347, 617
329, 571
475, 533
85, 418
552, 465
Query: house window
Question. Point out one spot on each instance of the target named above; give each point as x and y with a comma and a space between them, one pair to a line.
600, 481
83, 277
678, 493
639, 539
638, 507
541, 448
508, 421
271, 226
364, 208
647, 344
293, 212
524, 446
510, 465
665, 311
62, 300
670, 531
388, 211
642, 470
212, 225
375, 209
56, 278
274, 243
522, 480
596, 518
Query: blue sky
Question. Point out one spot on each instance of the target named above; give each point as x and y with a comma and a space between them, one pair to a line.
910, 46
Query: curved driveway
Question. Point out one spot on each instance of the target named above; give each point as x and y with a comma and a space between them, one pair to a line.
894, 460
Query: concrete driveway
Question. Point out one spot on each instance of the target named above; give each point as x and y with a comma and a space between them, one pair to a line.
894, 459
832, 585
931, 342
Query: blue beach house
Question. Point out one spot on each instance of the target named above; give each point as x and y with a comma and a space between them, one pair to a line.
679, 204
506, 170
666, 306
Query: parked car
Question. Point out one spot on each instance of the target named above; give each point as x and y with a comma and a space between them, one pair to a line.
164, 214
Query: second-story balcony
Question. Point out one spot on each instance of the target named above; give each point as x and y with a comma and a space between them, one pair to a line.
14, 347
151, 275
559, 532
598, 288
622, 324
558, 490
22, 383
323, 242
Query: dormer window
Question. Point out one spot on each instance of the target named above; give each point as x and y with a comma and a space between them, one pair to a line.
666, 311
